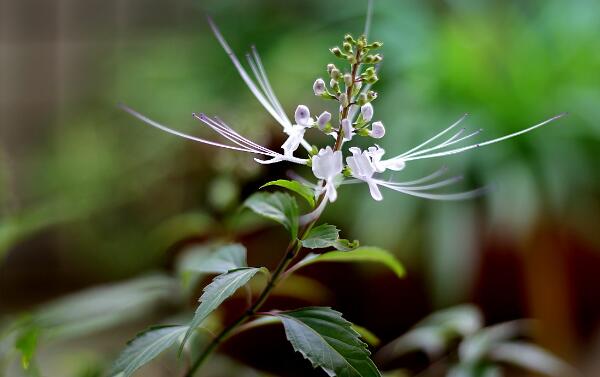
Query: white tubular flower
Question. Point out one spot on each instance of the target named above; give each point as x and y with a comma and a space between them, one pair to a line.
367, 111
376, 153
327, 165
296, 136
319, 87
323, 119
302, 116
362, 169
377, 130
347, 129
263, 92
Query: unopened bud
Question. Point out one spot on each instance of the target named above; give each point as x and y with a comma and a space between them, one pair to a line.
362, 99
375, 45
334, 85
371, 95
366, 111
330, 67
377, 130
348, 38
343, 98
335, 74
347, 47
372, 79
323, 119
302, 116
319, 87
347, 129
348, 79
377, 58
337, 52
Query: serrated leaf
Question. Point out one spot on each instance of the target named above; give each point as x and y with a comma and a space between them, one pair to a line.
212, 259
277, 206
328, 341
221, 288
362, 254
304, 191
322, 236
145, 347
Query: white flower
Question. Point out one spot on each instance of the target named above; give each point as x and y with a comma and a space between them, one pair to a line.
347, 129
327, 165
377, 130
376, 153
295, 137
362, 169
302, 116
265, 94
319, 87
323, 119
367, 111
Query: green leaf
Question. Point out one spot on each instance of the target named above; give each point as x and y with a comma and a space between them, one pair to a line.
322, 236
145, 347
346, 245
212, 259
277, 206
26, 343
328, 341
362, 254
304, 191
221, 288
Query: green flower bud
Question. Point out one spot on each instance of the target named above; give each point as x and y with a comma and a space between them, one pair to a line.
330, 67
337, 52
347, 172
351, 59
334, 85
377, 58
362, 99
368, 59
348, 38
347, 47
375, 45
372, 79
348, 79
343, 98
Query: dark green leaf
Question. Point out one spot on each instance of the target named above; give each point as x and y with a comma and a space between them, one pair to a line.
362, 254
306, 192
277, 206
145, 347
328, 341
221, 288
322, 236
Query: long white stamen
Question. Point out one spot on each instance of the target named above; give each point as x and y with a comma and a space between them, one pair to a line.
447, 143
459, 150
181, 134
455, 196
443, 183
434, 137
231, 135
427, 178
251, 85
218, 122
269, 90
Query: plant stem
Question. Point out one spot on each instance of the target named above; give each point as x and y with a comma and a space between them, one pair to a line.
290, 253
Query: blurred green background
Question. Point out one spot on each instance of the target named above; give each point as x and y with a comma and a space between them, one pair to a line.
90, 195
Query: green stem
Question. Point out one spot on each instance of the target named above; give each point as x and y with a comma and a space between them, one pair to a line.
291, 252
